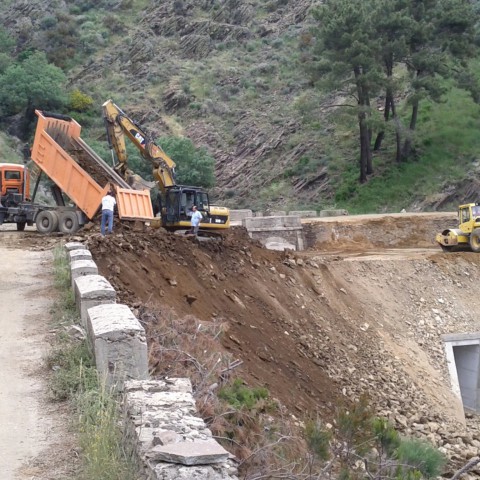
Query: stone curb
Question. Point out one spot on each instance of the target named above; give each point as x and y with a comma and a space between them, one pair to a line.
172, 442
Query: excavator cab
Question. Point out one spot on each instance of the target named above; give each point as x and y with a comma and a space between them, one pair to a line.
179, 201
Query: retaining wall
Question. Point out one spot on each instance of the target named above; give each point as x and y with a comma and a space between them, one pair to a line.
276, 233
172, 442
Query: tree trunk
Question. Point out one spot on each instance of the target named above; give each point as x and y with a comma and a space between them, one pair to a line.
407, 146
386, 116
364, 134
364, 146
398, 136
389, 102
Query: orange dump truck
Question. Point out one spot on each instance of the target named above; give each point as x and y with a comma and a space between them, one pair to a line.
80, 180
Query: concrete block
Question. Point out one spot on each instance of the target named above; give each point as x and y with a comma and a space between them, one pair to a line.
118, 342
303, 213
333, 213
239, 215
272, 223
74, 246
172, 471
80, 268
258, 214
277, 213
90, 291
82, 254
199, 452
161, 414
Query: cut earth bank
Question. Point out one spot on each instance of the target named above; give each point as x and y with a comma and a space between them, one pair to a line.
361, 311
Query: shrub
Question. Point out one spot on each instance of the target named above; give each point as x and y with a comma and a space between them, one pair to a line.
358, 437
318, 439
79, 101
48, 22
421, 456
240, 396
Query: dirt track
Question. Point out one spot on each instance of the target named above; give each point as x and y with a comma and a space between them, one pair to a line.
32, 427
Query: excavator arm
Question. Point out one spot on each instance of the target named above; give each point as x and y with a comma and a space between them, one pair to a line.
119, 125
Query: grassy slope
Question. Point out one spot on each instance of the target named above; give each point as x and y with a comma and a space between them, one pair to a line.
447, 145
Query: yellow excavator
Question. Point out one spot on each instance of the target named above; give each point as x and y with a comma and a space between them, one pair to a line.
174, 202
467, 235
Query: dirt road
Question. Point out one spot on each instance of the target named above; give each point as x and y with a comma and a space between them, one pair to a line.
30, 424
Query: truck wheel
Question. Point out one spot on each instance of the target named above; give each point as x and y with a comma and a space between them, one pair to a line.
68, 222
47, 221
21, 226
475, 240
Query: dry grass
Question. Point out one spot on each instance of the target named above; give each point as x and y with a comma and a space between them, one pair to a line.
254, 428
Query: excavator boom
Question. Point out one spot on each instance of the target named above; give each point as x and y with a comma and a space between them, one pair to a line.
118, 124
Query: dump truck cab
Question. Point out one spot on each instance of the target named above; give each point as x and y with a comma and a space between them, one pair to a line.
14, 183
468, 232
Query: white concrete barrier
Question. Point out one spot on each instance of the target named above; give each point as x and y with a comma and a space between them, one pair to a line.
239, 215
173, 442
276, 213
303, 213
333, 213
79, 254
118, 342
90, 291
79, 268
74, 246
272, 223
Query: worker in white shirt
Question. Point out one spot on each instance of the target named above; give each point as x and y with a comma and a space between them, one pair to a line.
108, 206
195, 220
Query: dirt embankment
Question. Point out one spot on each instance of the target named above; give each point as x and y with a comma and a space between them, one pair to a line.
317, 328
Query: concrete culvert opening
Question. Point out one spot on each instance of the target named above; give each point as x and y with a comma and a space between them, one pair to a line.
463, 358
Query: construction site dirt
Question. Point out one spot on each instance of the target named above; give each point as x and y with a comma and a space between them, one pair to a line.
353, 315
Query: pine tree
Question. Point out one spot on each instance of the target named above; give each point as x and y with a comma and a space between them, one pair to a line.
345, 40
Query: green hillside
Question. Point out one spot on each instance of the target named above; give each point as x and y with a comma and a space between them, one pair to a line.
240, 80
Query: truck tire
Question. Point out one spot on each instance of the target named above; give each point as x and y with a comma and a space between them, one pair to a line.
21, 226
46, 221
475, 240
68, 222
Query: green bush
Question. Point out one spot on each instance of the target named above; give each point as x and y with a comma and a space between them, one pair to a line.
7, 43
421, 456
318, 439
32, 82
240, 396
48, 22
80, 101
358, 436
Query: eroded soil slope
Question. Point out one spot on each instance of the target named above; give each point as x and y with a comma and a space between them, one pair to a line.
314, 327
